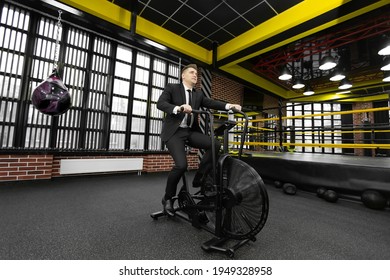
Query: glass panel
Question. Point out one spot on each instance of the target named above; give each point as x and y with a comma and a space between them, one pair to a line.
327, 123
117, 141
8, 111
124, 53
138, 125
121, 87
158, 80
7, 135
154, 143
141, 75
155, 113
10, 87
11, 63
317, 107
137, 142
143, 60
159, 66
118, 123
307, 108
317, 123
172, 80
173, 70
155, 126
139, 108
122, 70
119, 105
156, 94
140, 92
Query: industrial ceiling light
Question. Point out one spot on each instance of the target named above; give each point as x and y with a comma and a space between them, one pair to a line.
385, 47
345, 84
337, 75
386, 77
386, 64
285, 74
308, 91
298, 84
327, 63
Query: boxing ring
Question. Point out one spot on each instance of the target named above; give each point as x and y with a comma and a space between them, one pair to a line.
348, 158
345, 174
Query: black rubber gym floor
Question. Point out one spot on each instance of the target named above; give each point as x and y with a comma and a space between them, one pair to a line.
107, 217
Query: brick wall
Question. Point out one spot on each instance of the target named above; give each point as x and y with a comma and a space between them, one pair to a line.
25, 167
164, 162
225, 89
270, 102
34, 167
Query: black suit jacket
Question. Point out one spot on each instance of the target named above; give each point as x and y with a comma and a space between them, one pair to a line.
174, 95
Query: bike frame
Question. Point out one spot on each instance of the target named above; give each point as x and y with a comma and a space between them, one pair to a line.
218, 183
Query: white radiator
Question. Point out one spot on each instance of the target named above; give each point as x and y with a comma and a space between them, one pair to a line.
95, 165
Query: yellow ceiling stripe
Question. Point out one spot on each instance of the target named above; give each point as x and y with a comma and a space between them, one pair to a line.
292, 17
119, 16
167, 38
286, 20
103, 9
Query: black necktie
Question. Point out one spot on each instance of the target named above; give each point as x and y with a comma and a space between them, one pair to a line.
189, 117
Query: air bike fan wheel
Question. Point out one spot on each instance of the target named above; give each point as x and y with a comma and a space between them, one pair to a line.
244, 200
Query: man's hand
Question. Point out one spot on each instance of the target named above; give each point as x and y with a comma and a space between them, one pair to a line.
235, 106
185, 108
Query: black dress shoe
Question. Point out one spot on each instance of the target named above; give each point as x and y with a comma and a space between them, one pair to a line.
198, 180
203, 218
168, 207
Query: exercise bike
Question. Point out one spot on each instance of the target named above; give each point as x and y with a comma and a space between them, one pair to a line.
232, 202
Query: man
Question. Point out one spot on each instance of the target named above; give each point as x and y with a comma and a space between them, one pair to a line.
181, 127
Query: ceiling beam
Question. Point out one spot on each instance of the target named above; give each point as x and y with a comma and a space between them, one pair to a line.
103, 9
171, 40
119, 16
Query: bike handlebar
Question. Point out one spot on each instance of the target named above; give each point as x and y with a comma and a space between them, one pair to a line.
234, 110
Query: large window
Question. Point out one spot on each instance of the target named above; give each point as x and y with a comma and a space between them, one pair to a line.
314, 123
120, 98
114, 87
14, 25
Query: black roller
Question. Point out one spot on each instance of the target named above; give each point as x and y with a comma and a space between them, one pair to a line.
289, 188
374, 199
278, 184
321, 191
331, 196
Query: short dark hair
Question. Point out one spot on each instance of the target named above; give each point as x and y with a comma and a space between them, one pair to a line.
189, 66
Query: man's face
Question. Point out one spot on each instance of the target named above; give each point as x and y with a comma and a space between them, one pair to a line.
190, 76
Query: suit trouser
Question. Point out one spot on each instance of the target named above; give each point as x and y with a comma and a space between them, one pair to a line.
176, 147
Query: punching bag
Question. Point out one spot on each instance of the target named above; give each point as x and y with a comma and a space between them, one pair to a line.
51, 97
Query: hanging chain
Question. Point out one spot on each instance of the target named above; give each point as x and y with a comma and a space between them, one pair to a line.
56, 58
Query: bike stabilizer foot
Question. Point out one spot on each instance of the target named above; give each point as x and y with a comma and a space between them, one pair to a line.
217, 244
157, 215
